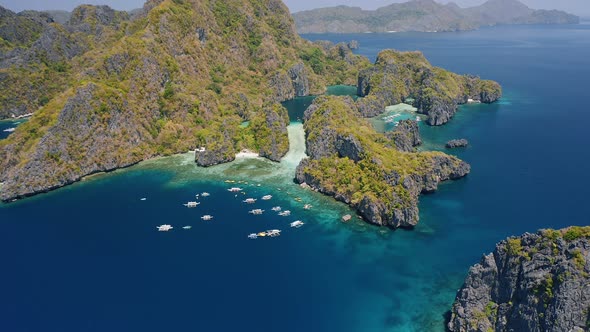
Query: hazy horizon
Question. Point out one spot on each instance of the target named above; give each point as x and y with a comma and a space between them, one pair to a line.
578, 7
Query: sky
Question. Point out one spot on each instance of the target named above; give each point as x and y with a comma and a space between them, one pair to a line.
579, 7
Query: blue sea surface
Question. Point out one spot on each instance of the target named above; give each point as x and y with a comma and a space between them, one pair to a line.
88, 257
8, 124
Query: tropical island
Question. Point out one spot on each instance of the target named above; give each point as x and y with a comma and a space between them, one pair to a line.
108, 90
425, 16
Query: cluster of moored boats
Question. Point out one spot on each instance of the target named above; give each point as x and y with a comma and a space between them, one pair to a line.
268, 233
392, 119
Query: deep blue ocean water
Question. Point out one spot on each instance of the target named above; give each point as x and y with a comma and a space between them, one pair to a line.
88, 257
8, 124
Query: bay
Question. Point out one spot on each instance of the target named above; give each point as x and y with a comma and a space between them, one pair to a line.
88, 257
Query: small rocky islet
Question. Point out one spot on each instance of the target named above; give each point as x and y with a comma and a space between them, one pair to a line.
457, 143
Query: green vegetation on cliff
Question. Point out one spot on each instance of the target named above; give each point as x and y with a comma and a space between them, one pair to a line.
397, 76
182, 75
354, 163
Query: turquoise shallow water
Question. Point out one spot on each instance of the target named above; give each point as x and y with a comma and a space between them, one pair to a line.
88, 258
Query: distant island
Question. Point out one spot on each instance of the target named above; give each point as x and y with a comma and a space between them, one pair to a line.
425, 16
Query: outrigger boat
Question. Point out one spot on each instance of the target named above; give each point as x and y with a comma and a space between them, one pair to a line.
192, 204
273, 232
257, 211
234, 189
253, 236
164, 228
297, 224
250, 200
285, 213
207, 217
307, 206
205, 194
266, 197
276, 209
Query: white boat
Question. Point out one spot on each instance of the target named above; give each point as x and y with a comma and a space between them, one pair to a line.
234, 189
191, 204
257, 211
253, 236
143, 199
205, 194
207, 217
273, 233
276, 209
297, 224
187, 227
250, 200
307, 206
266, 197
164, 228
418, 119
285, 213
9, 130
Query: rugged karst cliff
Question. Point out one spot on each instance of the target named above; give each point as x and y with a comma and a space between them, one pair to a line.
406, 136
353, 163
186, 74
180, 75
36, 53
397, 76
535, 282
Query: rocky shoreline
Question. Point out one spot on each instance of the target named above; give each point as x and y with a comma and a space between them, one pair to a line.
134, 104
398, 77
535, 282
366, 170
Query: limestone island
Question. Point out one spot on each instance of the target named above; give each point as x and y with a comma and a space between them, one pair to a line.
425, 16
108, 89
535, 282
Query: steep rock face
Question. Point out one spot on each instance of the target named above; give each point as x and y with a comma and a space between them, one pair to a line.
397, 76
21, 29
271, 132
87, 16
535, 282
298, 75
406, 136
291, 84
38, 65
351, 162
183, 76
78, 137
